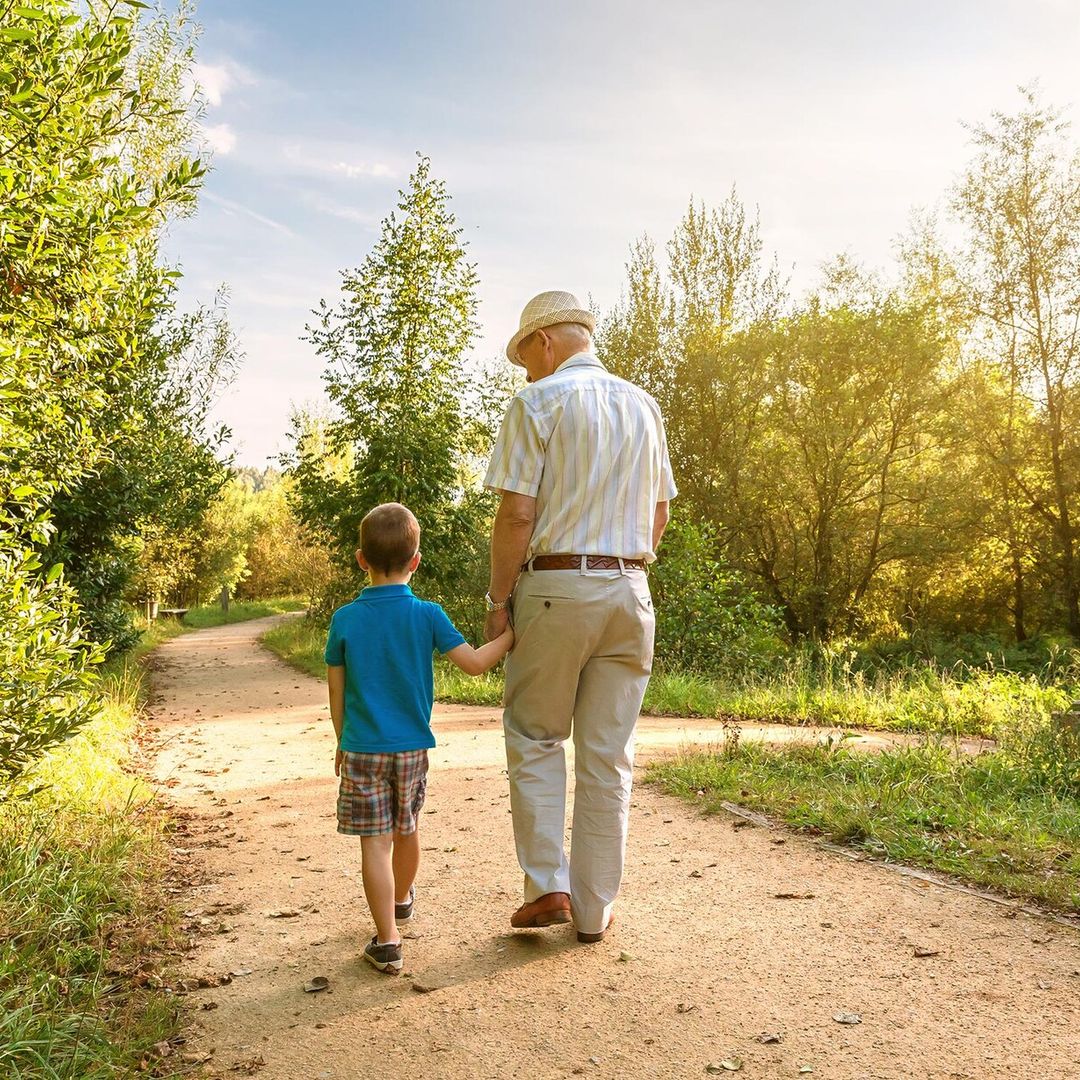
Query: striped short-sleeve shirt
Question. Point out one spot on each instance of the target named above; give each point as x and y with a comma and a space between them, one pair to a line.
590, 447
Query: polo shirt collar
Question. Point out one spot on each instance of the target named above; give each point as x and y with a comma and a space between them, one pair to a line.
378, 592
579, 360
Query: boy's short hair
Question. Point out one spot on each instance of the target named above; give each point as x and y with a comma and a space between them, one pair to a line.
389, 537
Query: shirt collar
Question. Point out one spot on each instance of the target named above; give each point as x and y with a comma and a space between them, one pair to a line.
378, 592
581, 359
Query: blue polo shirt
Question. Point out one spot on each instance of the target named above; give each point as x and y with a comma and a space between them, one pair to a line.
384, 639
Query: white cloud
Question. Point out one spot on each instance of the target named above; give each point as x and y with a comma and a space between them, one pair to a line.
220, 138
354, 171
216, 80
327, 160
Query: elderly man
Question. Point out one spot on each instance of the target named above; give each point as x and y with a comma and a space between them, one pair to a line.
582, 467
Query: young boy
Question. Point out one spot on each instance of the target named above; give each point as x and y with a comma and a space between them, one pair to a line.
379, 670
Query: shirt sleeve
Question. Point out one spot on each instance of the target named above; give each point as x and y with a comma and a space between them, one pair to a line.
446, 634
517, 461
668, 490
334, 653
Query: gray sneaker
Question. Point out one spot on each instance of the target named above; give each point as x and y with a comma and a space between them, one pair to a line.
385, 958
403, 912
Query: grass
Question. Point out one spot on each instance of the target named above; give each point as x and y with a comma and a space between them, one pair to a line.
300, 642
1008, 820
199, 618
985, 703
452, 684
82, 902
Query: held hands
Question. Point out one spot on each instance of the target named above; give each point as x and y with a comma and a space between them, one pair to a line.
496, 624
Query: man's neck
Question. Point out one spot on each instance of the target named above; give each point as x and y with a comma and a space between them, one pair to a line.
564, 360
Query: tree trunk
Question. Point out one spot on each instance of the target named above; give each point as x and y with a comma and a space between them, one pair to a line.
1069, 582
791, 619
1018, 596
1072, 593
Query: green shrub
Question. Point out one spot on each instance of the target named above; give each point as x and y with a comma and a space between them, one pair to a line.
1051, 659
708, 621
46, 666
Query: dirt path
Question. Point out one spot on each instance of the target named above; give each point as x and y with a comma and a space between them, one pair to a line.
704, 959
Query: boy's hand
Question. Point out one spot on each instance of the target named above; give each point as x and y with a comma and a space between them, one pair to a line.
495, 624
339, 756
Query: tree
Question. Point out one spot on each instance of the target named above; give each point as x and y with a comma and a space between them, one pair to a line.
801, 437
282, 557
160, 474
669, 335
218, 544
80, 289
1020, 203
395, 349
834, 489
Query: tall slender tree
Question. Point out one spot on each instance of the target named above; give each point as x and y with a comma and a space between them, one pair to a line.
1020, 203
395, 348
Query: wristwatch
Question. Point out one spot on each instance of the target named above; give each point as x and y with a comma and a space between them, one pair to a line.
491, 605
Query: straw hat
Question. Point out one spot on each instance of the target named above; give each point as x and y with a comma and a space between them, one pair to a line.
548, 309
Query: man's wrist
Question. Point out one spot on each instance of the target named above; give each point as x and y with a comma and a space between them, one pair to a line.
491, 604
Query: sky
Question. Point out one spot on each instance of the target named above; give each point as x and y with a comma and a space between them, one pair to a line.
566, 130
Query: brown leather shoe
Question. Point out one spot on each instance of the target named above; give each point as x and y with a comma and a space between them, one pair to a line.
592, 939
546, 910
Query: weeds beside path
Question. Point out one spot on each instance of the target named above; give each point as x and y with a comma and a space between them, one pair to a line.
979, 818
84, 917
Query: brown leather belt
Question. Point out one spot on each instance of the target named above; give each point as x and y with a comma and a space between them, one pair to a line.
592, 562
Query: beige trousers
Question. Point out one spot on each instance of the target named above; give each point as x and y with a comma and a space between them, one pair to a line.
580, 666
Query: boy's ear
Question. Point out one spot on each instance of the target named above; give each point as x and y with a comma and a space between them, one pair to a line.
361, 561
414, 563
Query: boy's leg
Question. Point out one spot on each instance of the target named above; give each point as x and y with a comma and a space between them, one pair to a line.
410, 790
406, 862
378, 873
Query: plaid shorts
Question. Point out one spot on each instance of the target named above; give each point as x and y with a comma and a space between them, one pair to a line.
381, 793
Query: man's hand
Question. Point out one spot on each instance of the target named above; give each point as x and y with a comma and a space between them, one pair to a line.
339, 756
495, 623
